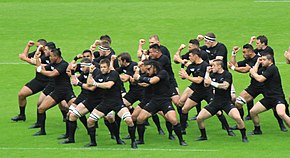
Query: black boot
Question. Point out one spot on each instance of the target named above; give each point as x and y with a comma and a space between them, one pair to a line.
92, 133
177, 130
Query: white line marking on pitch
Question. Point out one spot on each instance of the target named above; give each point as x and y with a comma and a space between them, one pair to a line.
271, 1
115, 149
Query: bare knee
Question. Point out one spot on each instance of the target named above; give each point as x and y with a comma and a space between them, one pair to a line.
91, 122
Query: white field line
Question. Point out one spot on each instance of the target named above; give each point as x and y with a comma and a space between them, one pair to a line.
272, 1
114, 149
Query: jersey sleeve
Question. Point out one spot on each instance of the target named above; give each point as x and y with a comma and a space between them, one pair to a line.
222, 51
228, 78
242, 63
162, 75
113, 76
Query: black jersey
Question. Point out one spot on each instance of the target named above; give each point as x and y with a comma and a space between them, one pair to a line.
97, 60
166, 65
129, 70
267, 50
221, 95
197, 70
165, 51
62, 81
44, 60
218, 50
97, 94
273, 86
204, 56
251, 62
83, 78
113, 95
161, 90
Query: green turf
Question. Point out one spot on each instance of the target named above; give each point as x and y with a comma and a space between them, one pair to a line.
74, 25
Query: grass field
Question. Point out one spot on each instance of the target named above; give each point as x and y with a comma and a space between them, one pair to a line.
74, 25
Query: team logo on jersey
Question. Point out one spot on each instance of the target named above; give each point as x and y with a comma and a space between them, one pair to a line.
85, 76
214, 79
124, 71
208, 51
100, 80
47, 61
192, 69
52, 68
222, 79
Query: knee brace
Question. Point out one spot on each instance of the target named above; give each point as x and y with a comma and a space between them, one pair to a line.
73, 110
241, 100
126, 115
95, 117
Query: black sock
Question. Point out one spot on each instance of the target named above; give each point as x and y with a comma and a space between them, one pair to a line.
169, 127
72, 126
37, 117
64, 114
22, 110
198, 108
179, 110
257, 128
109, 126
83, 119
115, 130
177, 130
42, 117
131, 131
156, 120
203, 133
243, 132
250, 104
141, 131
224, 122
183, 120
118, 121
280, 121
92, 133
241, 111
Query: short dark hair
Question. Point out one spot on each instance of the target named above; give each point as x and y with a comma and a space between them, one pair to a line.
248, 46
219, 62
105, 44
210, 34
263, 39
154, 64
125, 56
268, 56
56, 52
155, 46
42, 41
195, 51
87, 51
105, 61
107, 38
86, 60
50, 45
194, 41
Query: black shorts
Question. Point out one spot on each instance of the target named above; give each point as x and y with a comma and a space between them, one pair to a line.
200, 96
144, 102
214, 107
106, 108
81, 97
48, 89
133, 96
270, 103
173, 89
90, 104
36, 85
159, 105
254, 91
63, 94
